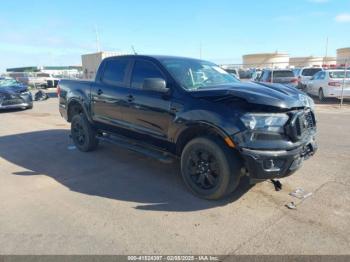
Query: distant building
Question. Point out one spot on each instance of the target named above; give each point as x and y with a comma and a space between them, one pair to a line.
57, 71
266, 60
312, 61
343, 56
91, 62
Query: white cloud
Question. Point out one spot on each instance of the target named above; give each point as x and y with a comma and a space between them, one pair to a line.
343, 18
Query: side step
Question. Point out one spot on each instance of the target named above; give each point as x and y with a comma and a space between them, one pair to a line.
138, 147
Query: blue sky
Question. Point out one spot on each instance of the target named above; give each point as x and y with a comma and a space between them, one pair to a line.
58, 32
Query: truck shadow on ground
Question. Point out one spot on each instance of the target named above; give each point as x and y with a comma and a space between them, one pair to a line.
109, 172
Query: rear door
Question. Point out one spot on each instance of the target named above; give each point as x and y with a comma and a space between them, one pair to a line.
109, 93
148, 111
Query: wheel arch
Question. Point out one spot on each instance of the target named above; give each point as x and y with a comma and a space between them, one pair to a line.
74, 107
199, 129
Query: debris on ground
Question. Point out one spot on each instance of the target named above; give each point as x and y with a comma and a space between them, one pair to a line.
291, 205
40, 96
277, 184
72, 147
300, 193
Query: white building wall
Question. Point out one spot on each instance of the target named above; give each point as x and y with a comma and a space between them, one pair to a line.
311, 61
266, 60
343, 56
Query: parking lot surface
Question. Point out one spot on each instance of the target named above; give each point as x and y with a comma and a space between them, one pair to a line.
57, 200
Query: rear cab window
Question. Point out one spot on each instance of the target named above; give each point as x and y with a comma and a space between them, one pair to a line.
115, 71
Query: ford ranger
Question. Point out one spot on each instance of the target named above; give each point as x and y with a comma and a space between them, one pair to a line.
192, 110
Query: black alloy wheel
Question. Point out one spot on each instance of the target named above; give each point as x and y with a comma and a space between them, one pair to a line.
210, 169
83, 134
204, 169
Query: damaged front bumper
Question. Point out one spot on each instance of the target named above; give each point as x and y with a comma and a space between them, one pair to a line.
24, 100
263, 164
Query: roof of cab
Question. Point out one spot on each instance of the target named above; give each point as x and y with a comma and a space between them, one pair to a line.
157, 57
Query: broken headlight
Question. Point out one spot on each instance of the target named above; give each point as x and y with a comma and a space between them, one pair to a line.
265, 122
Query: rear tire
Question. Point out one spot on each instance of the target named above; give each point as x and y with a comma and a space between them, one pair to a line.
321, 95
83, 134
209, 168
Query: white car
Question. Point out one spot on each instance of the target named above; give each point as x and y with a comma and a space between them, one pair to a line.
305, 74
329, 83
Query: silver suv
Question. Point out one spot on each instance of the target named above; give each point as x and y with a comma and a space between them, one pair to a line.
305, 74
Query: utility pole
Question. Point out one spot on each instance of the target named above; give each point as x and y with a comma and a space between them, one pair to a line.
343, 86
97, 39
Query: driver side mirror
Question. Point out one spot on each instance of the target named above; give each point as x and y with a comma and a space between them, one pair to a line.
155, 84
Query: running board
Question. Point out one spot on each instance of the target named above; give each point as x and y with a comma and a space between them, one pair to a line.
138, 147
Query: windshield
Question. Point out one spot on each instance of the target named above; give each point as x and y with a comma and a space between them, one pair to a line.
9, 82
339, 74
196, 74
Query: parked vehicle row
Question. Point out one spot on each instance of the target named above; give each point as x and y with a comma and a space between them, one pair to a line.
315, 81
171, 107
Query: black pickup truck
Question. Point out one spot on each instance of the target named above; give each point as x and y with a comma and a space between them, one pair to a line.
192, 110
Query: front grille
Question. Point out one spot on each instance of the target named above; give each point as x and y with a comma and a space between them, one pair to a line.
12, 102
301, 124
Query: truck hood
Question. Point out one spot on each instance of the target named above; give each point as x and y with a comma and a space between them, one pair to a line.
275, 95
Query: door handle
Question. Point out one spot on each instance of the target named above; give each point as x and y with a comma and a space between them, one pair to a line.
99, 92
130, 98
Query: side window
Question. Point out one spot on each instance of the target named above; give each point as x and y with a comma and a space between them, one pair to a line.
115, 71
322, 75
142, 70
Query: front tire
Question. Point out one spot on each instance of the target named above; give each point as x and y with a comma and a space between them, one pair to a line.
209, 168
321, 95
83, 134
